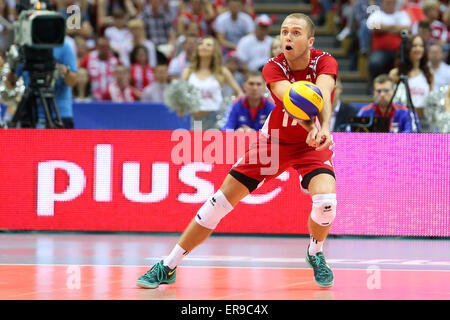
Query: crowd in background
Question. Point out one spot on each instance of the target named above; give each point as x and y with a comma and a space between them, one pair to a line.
130, 50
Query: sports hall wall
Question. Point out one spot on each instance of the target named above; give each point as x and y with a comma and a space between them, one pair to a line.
156, 180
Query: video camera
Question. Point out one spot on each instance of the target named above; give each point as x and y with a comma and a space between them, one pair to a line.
36, 32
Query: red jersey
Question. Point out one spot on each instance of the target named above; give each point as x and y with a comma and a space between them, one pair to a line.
277, 69
101, 72
141, 76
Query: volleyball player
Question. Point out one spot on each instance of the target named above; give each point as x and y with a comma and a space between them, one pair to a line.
303, 145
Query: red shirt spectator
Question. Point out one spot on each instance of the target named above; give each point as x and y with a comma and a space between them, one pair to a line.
116, 94
120, 89
142, 74
100, 64
199, 12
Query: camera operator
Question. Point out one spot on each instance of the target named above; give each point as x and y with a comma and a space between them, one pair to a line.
66, 79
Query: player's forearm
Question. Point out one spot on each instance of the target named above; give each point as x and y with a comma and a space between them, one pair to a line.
326, 85
325, 116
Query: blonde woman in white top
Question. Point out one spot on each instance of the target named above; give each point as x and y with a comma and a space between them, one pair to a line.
207, 74
420, 77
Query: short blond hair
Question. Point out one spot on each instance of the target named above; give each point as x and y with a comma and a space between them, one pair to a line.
307, 19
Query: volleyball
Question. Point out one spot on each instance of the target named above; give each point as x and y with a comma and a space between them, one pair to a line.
303, 100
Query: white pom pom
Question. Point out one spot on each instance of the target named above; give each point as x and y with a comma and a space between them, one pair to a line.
182, 97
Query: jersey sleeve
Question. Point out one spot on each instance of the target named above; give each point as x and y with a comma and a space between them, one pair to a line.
327, 65
273, 72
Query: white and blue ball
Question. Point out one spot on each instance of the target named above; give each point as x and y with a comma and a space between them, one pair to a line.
303, 100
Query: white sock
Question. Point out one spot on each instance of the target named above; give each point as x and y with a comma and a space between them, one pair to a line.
175, 257
314, 246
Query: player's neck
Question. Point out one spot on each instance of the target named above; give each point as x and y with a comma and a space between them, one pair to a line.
301, 62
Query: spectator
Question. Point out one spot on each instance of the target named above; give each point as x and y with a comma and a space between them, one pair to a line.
347, 19
105, 9
207, 74
119, 35
156, 90
100, 64
386, 25
235, 66
446, 20
253, 50
120, 90
361, 14
342, 112
249, 113
441, 70
424, 30
420, 78
414, 10
137, 29
183, 59
158, 23
232, 25
192, 28
438, 28
222, 6
142, 74
383, 89
82, 89
5, 12
275, 48
200, 12
321, 9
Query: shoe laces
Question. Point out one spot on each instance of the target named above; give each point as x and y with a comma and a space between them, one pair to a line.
321, 264
158, 270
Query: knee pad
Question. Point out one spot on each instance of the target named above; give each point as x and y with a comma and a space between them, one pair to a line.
324, 208
213, 210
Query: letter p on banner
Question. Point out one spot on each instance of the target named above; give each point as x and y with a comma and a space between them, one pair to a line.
46, 195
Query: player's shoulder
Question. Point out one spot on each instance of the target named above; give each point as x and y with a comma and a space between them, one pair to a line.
278, 61
321, 56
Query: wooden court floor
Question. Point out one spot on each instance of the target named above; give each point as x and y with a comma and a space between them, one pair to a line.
105, 267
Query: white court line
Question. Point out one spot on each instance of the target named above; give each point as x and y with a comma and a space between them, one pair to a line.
399, 262
205, 266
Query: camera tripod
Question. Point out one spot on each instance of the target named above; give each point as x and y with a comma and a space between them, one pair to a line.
403, 80
27, 115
